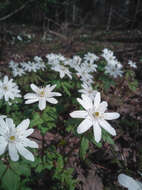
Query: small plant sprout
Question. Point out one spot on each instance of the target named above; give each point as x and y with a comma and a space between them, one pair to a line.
42, 95
15, 139
129, 182
94, 115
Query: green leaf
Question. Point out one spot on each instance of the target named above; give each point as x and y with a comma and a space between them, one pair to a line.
2, 168
84, 147
36, 120
10, 180
21, 168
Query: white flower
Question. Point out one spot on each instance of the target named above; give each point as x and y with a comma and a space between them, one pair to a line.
129, 182
18, 72
90, 57
132, 64
62, 71
94, 116
108, 55
88, 90
15, 139
75, 62
89, 66
38, 59
30, 66
41, 95
3, 116
114, 69
8, 89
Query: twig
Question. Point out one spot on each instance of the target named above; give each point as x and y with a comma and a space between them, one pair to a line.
57, 34
16, 11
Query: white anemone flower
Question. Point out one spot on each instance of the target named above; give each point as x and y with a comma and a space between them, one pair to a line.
94, 115
42, 95
63, 70
88, 90
91, 57
132, 64
8, 89
15, 139
129, 182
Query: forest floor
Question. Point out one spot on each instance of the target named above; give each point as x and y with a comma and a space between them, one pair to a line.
126, 155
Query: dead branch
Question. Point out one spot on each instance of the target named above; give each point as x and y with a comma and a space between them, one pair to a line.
57, 34
16, 11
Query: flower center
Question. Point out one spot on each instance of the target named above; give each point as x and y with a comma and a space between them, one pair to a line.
12, 138
42, 93
96, 114
5, 87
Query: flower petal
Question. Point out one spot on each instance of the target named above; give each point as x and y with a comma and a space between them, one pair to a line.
52, 100
97, 131
103, 107
24, 152
23, 125
86, 102
42, 104
84, 126
3, 124
104, 124
128, 182
13, 152
56, 94
35, 88
30, 96
3, 145
28, 143
111, 116
97, 100
30, 101
10, 124
27, 133
79, 114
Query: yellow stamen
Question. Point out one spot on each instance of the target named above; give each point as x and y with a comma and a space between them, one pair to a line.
5, 87
96, 114
42, 93
12, 138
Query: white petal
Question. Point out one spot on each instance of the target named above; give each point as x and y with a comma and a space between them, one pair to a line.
13, 152
97, 131
86, 102
84, 126
128, 182
10, 124
34, 88
97, 100
79, 114
27, 132
103, 107
30, 101
110, 116
30, 96
3, 124
51, 87
104, 124
23, 125
24, 152
52, 100
42, 104
3, 145
28, 143
56, 94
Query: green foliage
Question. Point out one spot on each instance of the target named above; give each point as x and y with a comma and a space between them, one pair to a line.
84, 147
